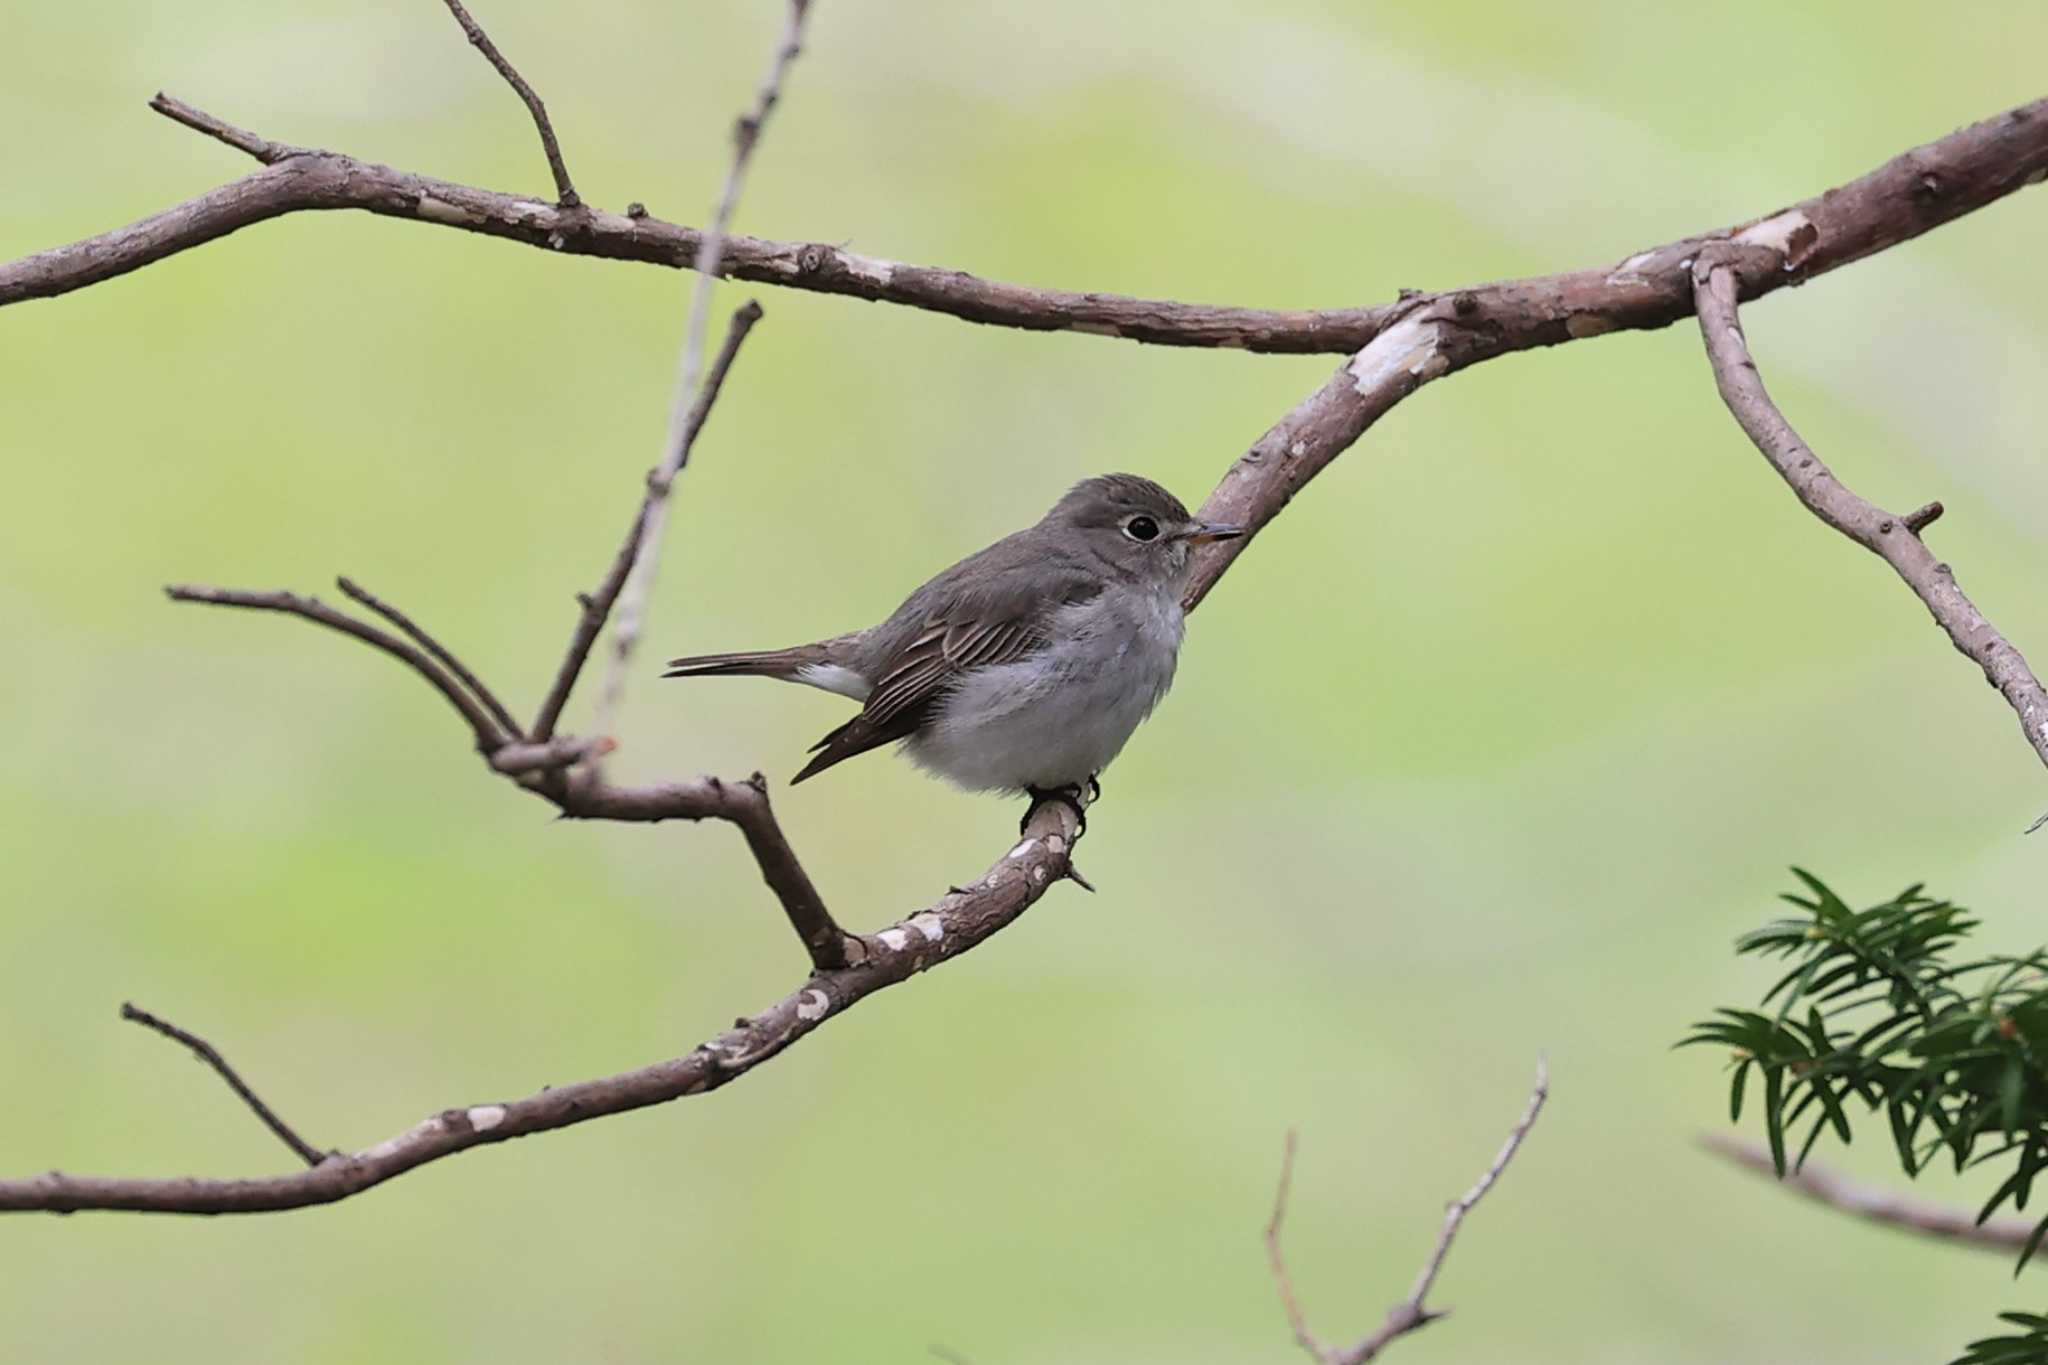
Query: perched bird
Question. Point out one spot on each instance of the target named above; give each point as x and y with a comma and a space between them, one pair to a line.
1024, 667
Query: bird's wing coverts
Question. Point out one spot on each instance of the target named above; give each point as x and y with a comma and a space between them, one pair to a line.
1002, 619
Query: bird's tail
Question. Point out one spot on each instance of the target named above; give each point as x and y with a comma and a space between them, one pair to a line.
815, 665
766, 663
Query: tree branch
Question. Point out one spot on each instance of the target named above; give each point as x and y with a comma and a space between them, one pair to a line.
1824, 1186
683, 408
1431, 335
953, 924
1915, 192
221, 131
597, 606
489, 739
1412, 1313
1404, 345
205, 1052
535, 767
1894, 539
565, 192
436, 651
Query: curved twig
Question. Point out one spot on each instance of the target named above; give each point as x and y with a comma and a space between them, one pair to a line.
207, 1053
436, 650
489, 738
1894, 539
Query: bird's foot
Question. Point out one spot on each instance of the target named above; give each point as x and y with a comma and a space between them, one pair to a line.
1075, 796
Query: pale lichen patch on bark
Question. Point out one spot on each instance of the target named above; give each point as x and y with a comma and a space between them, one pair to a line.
1409, 347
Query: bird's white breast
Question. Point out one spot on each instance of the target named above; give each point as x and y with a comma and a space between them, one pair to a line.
1058, 717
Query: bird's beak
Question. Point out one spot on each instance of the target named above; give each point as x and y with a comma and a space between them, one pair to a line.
1214, 530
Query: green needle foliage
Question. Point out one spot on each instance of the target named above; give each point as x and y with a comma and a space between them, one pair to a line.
1879, 1012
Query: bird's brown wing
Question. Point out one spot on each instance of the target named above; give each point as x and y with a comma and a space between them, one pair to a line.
916, 679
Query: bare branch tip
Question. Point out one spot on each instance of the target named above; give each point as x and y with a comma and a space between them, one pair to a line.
1924, 517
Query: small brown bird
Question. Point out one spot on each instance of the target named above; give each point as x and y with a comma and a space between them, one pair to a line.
1024, 667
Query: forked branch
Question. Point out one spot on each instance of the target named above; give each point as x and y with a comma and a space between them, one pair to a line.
691, 393
565, 192
1413, 1312
1893, 538
948, 927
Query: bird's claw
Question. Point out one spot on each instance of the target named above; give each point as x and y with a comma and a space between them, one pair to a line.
1076, 797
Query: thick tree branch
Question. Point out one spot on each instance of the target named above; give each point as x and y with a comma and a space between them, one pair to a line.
1824, 1186
953, 924
1892, 538
1412, 1313
206, 1052
1432, 335
1902, 199
565, 192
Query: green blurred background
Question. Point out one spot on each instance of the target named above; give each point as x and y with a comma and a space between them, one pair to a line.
1491, 745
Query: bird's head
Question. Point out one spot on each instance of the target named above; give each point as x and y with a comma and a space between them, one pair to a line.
1133, 525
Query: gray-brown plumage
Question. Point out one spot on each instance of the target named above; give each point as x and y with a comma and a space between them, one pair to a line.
1024, 667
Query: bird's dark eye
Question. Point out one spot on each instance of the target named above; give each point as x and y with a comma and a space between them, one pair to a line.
1142, 528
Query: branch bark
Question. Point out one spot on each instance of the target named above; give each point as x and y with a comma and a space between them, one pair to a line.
1429, 336
1824, 1186
1894, 539
1412, 1313
1920, 190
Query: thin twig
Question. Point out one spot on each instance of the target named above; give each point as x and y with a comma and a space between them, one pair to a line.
1277, 1260
1825, 1186
435, 648
206, 1052
220, 130
1892, 538
565, 192
632, 608
597, 606
482, 724
1412, 1312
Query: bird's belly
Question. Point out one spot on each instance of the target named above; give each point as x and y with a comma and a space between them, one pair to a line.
1056, 718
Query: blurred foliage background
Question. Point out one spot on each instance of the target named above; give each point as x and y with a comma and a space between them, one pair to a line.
1491, 745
